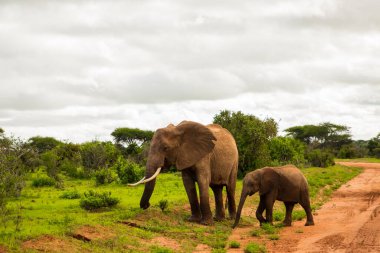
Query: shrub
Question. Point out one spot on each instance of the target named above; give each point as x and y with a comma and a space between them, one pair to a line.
285, 150
50, 161
256, 233
74, 194
96, 155
320, 158
93, 200
234, 245
43, 181
127, 171
163, 204
274, 237
104, 176
255, 248
252, 137
156, 249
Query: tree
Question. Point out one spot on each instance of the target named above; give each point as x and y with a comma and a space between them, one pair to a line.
325, 136
97, 155
12, 174
252, 137
1, 131
285, 150
374, 146
43, 144
130, 136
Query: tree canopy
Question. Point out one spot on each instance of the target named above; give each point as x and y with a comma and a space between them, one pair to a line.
130, 136
324, 135
43, 144
252, 137
374, 146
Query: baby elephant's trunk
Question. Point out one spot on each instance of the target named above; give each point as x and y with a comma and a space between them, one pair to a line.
241, 204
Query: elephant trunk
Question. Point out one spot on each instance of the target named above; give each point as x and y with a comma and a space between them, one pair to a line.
243, 197
151, 173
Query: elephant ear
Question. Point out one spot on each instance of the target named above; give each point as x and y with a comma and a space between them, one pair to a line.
268, 180
196, 142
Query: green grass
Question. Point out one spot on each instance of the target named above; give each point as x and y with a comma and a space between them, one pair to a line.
364, 160
45, 212
274, 237
234, 245
255, 248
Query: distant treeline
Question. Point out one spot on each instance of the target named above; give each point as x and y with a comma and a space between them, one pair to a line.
257, 140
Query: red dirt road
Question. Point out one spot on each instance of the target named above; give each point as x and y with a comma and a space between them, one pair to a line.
348, 222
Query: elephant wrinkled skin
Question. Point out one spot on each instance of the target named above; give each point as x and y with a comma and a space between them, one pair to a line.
286, 183
204, 154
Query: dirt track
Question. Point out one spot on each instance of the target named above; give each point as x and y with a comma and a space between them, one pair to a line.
349, 222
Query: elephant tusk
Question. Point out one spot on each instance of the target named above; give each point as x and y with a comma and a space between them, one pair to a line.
137, 183
152, 177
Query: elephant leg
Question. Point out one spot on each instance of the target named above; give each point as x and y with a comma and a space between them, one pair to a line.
189, 183
260, 210
269, 202
288, 216
231, 200
305, 203
218, 194
205, 204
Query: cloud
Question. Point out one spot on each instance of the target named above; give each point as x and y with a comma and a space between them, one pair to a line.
93, 65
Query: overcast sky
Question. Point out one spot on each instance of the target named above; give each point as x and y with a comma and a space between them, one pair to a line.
76, 70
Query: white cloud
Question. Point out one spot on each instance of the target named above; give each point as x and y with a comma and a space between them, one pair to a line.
78, 69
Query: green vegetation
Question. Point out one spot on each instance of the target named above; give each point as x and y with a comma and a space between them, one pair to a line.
93, 200
163, 204
74, 194
234, 245
374, 146
255, 248
104, 176
274, 237
363, 160
286, 150
90, 178
46, 213
43, 181
128, 171
252, 137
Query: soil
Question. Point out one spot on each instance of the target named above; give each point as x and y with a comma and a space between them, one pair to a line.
49, 243
348, 222
90, 233
166, 242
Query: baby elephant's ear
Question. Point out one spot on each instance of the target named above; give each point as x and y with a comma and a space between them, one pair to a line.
268, 180
196, 142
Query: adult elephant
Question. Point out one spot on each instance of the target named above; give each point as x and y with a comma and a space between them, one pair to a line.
204, 154
286, 183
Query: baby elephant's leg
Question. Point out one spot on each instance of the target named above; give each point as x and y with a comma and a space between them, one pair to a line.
288, 217
260, 210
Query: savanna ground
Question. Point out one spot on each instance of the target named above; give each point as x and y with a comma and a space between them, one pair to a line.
348, 222
51, 224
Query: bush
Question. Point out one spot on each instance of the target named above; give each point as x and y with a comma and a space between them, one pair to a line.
285, 150
320, 158
43, 181
104, 176
74, 194
96, 155
255, 248
93, 200
156, 249
127, 171
252, 137
234, 245
163, 204
50, 161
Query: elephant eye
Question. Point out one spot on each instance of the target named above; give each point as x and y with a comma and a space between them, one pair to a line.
165, 148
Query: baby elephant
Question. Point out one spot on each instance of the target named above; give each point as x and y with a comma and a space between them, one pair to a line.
285, 183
